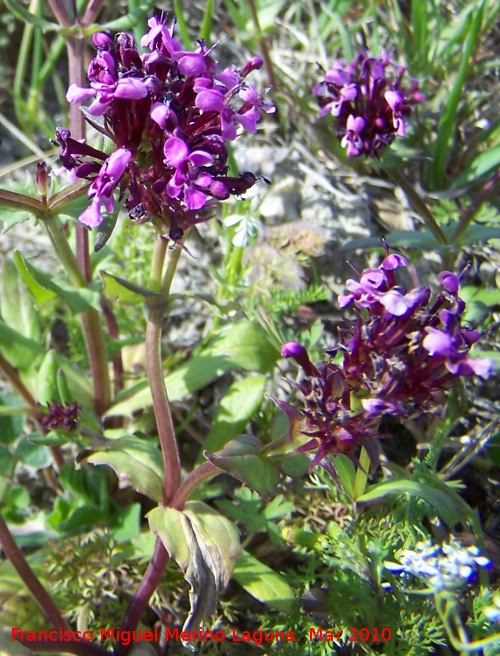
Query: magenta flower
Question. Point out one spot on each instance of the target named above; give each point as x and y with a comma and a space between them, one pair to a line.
398, 357
368, 101
169, 113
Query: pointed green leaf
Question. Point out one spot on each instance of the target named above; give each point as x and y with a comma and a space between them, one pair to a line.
136, 462
346, 472
264, 584
485, 162
40, 293
361, 473
78, 301
240, 458
444, 504
125, 291
240, 403
16, 306
32, 19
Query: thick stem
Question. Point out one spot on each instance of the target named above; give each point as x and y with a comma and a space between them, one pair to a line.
161, 405
29, 578
196, 477
419, 205
156, 311
148, 585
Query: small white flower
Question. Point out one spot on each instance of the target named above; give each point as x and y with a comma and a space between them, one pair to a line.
247, 227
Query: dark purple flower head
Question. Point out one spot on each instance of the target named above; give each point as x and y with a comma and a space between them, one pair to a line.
399, 356
60, 416
169, 113
368, 101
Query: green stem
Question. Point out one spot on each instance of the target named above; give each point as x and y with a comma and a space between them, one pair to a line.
157, 307
419, 205
91, 322
29, 578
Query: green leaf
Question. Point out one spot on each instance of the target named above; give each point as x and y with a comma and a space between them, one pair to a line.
444, 504
32, 19
21, 352
346, 472
240, 403
205, 545
40, 293
243, 346
246, 345
448, 115
240, 458
485, 162
6, 461
361, 474
32, 454
16, 306
137, 462
127, 524
46, 384
78, 301
11, 424
478, 233
264, 584
125, 291
405, 238
57, 437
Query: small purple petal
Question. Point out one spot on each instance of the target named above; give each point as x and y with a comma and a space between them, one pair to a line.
393, 261
176, 151
130, 88
437, 342
394, 302
92, 215
450, 281
77, 94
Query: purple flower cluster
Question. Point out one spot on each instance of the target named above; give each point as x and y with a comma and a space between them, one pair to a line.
368, 101
61, 416
169, 113
399, 355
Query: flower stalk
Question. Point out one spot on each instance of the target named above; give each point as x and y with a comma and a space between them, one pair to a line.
157, 306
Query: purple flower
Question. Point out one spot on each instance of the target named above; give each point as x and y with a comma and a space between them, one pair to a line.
188, 178
103, 186
368, 101
58, 416
400, 354
169, 113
